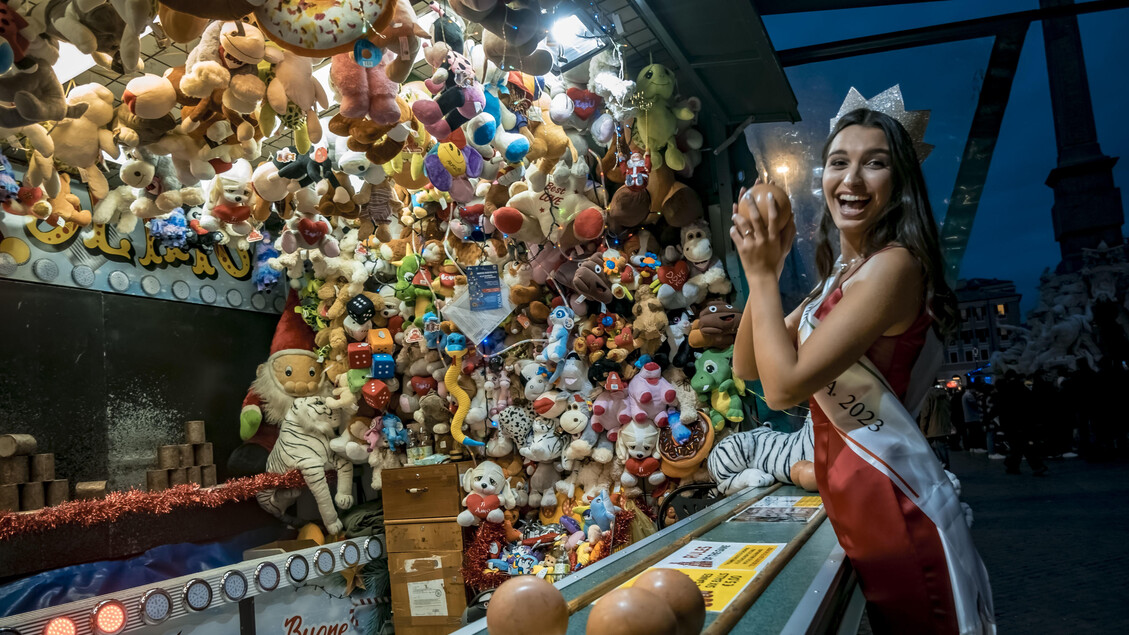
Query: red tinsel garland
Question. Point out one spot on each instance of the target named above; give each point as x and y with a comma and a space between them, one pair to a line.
88, 513
619, 535
474, 560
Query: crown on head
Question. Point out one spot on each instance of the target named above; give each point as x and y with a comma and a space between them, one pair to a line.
889, 102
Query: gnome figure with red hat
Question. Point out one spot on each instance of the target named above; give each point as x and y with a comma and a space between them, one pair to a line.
292, 370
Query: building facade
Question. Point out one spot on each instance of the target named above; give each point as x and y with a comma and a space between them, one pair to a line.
988, 307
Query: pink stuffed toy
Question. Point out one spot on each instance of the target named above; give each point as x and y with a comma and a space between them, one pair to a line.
365, 91
458, 95
612, 409
652, 393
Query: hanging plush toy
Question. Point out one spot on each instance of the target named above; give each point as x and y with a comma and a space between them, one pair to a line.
458, 95
656, 123
228, 207
227, 58
306, 229
450, 169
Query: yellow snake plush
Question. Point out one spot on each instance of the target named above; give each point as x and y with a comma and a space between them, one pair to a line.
456, 349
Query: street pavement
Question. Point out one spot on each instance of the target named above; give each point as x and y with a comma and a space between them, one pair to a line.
1056, 547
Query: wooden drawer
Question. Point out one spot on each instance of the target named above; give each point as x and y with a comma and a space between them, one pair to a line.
429, 491
427, 589
424, 536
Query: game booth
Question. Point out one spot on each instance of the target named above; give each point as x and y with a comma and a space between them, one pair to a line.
373, 316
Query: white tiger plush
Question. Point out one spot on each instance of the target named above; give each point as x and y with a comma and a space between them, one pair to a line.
757, 458
303, 443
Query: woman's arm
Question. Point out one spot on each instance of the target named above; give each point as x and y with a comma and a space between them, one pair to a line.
883, 294
744, 355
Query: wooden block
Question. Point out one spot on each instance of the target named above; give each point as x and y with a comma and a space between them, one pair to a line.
13, 469
31, 497
168, 457
208, 475
194, 432
193, 474
428, 491
203, 452
156, 480
86, 490
187, 456
423, 536
10, 498
42, 467
179, 476
17, 444
58, 491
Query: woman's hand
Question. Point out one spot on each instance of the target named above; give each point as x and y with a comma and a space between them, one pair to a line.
763, 242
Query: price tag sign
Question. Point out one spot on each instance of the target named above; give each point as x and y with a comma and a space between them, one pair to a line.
485, 288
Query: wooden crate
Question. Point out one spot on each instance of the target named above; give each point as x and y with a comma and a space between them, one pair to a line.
430, 491
427, 589
419, 535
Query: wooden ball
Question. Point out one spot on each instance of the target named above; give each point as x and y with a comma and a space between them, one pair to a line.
759, 195
631, 611
527, 604
803, 474
680, 593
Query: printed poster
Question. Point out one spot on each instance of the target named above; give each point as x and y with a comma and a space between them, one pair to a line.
720, 569
779, 509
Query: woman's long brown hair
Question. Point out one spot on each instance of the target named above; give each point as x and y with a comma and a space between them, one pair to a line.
908, 220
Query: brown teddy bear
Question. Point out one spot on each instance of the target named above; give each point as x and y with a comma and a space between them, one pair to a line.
650, 320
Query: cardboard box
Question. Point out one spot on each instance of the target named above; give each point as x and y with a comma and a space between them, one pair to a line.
427, 589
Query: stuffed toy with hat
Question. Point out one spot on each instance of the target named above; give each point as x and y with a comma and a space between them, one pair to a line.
457, 94
291, 371
227, 58
656, 123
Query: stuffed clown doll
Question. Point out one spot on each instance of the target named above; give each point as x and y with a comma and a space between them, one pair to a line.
292, 370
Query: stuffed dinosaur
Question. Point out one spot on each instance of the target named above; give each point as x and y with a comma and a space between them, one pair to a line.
714, 381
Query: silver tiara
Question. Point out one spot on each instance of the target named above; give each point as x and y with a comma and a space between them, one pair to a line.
889, 102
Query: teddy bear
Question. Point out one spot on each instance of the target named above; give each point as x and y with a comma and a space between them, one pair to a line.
307, 229
364, 92
637, 449
79, 142
650, 320
67, 206
580, 111
550, 144
136, 17
156, 190
291, 96
656, 124
402, 38
488, 495
227, 58
458, 95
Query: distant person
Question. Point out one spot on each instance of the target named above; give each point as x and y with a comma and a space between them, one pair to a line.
1013, 403
936, 422
987, 403
973, 424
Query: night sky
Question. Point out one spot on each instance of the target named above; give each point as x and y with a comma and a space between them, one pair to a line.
1012, 237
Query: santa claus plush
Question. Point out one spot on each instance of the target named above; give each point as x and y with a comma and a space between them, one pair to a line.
292, 370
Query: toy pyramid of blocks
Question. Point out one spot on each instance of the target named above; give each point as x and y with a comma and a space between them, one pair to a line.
188, 462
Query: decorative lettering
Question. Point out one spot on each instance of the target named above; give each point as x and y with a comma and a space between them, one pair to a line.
203, 267
294, 627
54, 236
243, 271
151, 258
100, 241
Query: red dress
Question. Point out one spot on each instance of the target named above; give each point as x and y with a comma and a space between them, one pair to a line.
891, 543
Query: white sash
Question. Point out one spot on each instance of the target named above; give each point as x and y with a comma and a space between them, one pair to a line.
876, 426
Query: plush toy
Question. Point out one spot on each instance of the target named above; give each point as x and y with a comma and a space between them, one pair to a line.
652, 394
227, 58
79, 142
156, 189
291, 96
402, 38
450, 169
716, 326
759, 457
144, 116
488, 494
227, 209
561, 322
637, 448
33, 94
656, 123
458, 95
650, 320
706, 271
136, 16
580, 111
182, 27
612, 409
364, 91
714, 380
488, 133
514, 425
512, 33
543, 450
306, 229
304, 436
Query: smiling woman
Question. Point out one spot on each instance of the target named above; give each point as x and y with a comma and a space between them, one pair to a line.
893, 507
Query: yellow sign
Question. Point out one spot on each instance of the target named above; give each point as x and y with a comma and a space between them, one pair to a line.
718, 586
809, 501
749, 557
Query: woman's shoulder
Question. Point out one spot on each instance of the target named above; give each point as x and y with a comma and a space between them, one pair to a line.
893, 264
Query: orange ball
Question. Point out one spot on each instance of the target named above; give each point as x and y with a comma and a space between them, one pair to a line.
803, 474
758, 195
631, 611
680, 593
527, 604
